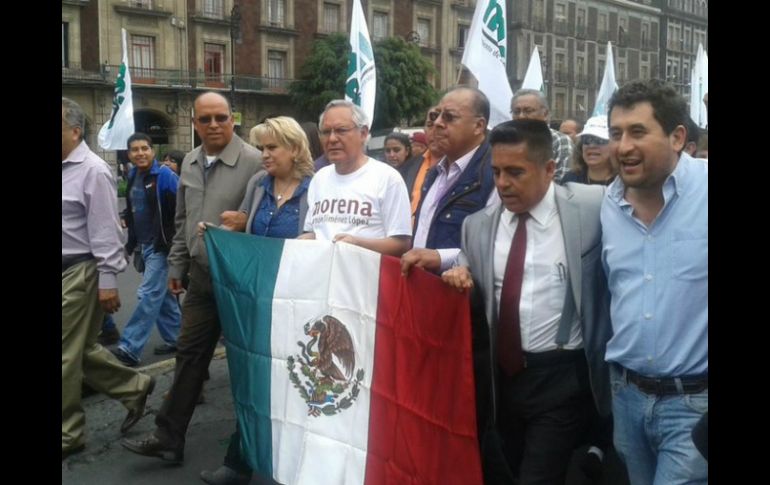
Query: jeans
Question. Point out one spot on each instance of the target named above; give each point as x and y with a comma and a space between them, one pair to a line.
108, 323
155, 304
653, 434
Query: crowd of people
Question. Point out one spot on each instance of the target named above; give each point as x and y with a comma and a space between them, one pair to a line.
584, 252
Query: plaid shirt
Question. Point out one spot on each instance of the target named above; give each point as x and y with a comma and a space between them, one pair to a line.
562, 153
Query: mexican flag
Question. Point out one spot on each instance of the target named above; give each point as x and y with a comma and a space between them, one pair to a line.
342, 370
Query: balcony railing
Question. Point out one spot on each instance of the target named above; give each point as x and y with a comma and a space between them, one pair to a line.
561, 27
582, 80
560, 75
175, 78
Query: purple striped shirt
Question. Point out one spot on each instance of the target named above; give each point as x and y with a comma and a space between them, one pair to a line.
89, 213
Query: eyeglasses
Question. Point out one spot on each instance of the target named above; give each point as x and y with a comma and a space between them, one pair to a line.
448, 116
525, 111
340, 132
593, 140
206, 119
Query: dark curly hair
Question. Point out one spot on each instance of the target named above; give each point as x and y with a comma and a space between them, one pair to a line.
668, 107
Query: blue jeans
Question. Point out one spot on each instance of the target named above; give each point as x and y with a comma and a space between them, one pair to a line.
653, 434
108, 323
155, 304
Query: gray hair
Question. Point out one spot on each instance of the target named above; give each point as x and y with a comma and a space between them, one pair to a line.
74, 116
359, 117
531, 92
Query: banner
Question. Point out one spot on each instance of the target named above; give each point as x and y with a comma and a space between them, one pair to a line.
342, 370
534, 77
484, 56
114, 134
361, 85
608, 86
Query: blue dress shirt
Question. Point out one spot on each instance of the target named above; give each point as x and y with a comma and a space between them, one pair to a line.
272, 221
658, 276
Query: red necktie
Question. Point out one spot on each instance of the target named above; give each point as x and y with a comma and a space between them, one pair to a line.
509, 354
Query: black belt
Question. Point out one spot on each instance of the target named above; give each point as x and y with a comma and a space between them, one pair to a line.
71, 260
551, 357
663, 386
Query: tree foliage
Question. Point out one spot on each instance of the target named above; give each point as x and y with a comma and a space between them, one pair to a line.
404, 92
322, 77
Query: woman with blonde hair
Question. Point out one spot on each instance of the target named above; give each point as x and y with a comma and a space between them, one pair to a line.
275, 205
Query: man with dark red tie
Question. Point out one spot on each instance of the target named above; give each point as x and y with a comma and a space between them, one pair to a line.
540, 307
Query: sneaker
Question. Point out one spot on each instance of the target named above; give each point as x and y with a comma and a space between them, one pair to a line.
164, 349
107, 337
123, 357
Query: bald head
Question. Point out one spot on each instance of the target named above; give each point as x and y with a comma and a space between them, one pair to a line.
213, 122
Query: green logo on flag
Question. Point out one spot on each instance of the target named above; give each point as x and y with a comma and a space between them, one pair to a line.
120, 88
352, 88
494, 20
328, 389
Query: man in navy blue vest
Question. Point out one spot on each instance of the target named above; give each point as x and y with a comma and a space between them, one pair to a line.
459, 185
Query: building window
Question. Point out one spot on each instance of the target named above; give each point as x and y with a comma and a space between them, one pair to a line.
276, 64
561, 12
276, 12
621, 71
580, 101
381, 28
462, 35
214, 62
331, 17
423, 30
559, 109
213, 9
645, 72
581, 17
645, 36
581, 66
140, 4
142, 56
600, 74
65, 44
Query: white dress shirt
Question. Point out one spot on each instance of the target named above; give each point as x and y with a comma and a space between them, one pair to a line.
544, 285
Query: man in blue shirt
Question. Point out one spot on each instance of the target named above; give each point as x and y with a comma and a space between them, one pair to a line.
655, 253
149, 215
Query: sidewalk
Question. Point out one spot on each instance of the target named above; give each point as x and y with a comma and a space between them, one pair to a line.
106, 462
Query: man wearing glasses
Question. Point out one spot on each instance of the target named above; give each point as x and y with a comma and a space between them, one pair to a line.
530, 104
213, 180
356, 199
459, 185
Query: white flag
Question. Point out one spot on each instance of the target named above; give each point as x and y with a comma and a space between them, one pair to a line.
115, 132
533, 79
699, 86
484, 56
361, 84
608, 87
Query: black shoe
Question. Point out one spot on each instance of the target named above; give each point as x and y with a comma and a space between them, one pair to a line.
72, 451
123, 357
134, 415
225, 475
152, 446
164, 349
107, 337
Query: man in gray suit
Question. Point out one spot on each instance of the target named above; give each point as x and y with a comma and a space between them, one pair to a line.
213, 180
540, 307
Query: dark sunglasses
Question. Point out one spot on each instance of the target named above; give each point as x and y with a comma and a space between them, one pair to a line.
593, 140
449, 117
205, 120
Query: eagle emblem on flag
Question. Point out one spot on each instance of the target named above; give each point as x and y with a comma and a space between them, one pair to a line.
323, 371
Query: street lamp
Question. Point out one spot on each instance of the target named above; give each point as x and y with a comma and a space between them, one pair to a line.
235, 32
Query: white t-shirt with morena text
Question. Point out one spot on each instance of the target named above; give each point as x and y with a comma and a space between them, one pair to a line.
371, 202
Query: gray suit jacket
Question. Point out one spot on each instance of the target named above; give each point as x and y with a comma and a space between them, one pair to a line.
578, 207
253, 197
